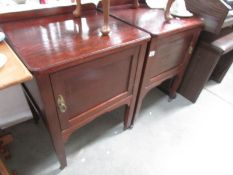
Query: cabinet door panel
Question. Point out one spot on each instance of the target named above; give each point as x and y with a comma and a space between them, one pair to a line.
88, 85
170, 53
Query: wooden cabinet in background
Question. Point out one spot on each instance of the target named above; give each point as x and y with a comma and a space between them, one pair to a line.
170, 48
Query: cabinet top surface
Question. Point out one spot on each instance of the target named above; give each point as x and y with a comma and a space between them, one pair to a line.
152, 20
49, 42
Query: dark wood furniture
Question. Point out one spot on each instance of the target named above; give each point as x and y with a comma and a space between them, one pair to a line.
5, 140
78, 73
170, 48
213, 55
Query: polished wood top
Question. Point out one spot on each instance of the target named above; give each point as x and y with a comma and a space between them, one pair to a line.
50, 43
152, 20
13, 72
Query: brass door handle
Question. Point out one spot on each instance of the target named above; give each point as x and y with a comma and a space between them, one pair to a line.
61, 104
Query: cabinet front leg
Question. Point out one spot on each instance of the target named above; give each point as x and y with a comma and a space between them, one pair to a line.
59, 148
60, 152
51, 118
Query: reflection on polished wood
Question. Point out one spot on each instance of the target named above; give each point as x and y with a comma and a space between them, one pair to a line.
65, 39
144, 19
79, 74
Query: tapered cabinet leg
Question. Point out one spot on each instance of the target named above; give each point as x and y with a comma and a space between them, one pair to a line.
129, 111
51, 119
133, 110
59, 148
174, 87
60, 151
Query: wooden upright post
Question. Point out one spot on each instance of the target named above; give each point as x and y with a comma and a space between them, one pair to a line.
78, 10
167, 10
136, 4
106, 5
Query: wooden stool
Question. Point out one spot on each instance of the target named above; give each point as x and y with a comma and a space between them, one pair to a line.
3, 168
5, 140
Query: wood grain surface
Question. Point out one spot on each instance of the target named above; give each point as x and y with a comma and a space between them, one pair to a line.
13, 72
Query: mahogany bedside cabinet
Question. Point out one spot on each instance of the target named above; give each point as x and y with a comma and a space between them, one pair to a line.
170, 47
78, 73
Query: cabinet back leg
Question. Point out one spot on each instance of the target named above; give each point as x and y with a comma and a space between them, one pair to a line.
128, 116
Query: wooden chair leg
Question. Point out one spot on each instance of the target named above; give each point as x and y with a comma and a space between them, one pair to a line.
32, 104
33, 110
5, 140
3, 168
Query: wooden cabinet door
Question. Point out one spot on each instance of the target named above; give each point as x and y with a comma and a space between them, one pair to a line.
92, 86
170, 52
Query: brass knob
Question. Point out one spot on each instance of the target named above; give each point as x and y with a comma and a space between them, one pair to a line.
61, 104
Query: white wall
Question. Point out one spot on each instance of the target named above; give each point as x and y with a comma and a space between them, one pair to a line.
13, 107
